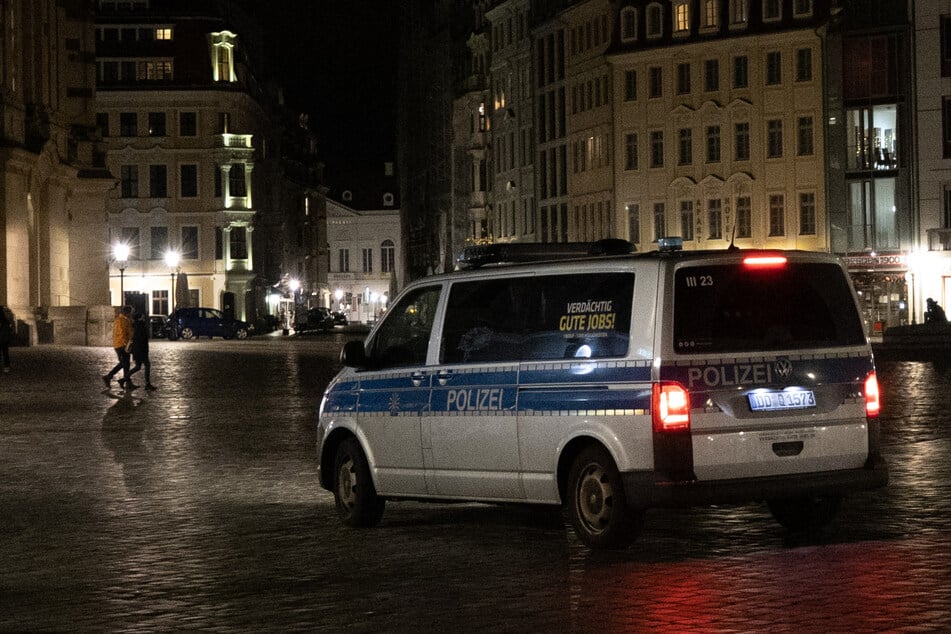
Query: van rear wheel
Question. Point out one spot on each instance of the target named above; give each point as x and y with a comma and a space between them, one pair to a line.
597, 506
354, 494
804, 513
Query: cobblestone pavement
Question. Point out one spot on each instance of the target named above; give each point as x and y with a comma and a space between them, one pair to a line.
197, 507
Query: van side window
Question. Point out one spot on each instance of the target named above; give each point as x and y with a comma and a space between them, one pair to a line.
403, 337
538, 318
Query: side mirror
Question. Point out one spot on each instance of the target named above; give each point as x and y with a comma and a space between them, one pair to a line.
353, 354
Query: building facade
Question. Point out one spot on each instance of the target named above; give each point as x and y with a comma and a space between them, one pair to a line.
929, 271
718, 126
365, 243
189, 127
52, 181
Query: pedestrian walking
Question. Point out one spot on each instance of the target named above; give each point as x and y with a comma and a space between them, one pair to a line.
6, 334
140, 349
122, 344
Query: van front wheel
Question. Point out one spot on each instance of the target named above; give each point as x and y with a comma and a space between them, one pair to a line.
354, 494
804, 513
597, 507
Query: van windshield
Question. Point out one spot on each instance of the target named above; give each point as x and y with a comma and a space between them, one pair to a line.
732, 308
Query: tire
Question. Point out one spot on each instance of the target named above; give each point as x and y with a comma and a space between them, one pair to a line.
354, 494
187, 333
804, 513
241, 333
597, 506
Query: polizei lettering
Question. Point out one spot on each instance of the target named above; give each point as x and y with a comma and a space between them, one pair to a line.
477, 400
727, 375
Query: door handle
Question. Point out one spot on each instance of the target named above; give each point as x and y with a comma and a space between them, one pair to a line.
417, 378
443, 377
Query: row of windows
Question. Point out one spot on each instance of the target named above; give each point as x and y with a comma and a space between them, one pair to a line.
591, 34
123, 5
712, 225
593, 93
128, 33
134, 70
506, 149
591, 152
157, 124
187, 181
805, 143
708, 19
387, 258
593, 221
188, 246
512, 29
773, 75
551, 58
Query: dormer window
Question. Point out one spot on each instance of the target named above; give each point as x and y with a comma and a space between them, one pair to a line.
681, 17
628, 24
655, 16
802, 8
222, 56
739, 12
711, 14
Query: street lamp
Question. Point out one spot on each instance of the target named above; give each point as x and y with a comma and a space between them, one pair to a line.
120, 252
171, 259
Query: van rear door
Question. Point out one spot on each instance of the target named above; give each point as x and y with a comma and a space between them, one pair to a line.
772, 351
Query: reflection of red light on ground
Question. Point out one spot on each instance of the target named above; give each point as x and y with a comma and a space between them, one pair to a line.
864, 586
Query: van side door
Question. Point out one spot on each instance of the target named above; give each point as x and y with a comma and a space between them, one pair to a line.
394, 393
473, 430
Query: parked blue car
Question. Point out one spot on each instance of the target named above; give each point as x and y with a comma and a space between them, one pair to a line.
189, 323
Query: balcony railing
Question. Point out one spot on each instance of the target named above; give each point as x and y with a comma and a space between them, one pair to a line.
235, 140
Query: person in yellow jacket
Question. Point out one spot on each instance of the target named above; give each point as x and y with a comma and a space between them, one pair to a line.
122, 344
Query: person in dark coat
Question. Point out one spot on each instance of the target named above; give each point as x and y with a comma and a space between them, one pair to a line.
934, 314
140, 349
6, 334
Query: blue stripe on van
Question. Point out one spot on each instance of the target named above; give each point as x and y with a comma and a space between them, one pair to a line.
767, 371
585, 400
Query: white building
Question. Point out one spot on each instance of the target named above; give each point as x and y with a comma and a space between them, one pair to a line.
366, 253
929, 268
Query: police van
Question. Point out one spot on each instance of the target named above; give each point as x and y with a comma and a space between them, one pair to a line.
609, 383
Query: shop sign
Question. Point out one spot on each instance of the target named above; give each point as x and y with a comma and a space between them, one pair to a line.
879, 262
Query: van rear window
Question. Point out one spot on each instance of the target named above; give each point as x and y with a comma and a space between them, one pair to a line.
731, 308
538, 318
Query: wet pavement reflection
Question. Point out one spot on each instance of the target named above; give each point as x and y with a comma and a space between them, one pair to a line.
197, 507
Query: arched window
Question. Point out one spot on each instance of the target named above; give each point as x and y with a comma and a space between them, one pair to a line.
347, 195
387, 256
628, 24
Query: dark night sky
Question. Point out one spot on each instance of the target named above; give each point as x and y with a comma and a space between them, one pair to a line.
337, 62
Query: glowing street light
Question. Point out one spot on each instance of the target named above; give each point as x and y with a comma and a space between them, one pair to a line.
171, 260
120, 253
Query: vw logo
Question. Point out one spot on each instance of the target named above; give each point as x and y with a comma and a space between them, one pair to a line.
783, 367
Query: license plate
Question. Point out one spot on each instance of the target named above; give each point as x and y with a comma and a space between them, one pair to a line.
776, 401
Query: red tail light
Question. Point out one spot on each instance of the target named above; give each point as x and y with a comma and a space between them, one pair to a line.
670, 407
872, 402
764, 261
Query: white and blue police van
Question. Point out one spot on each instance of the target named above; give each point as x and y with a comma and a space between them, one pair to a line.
610, 383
